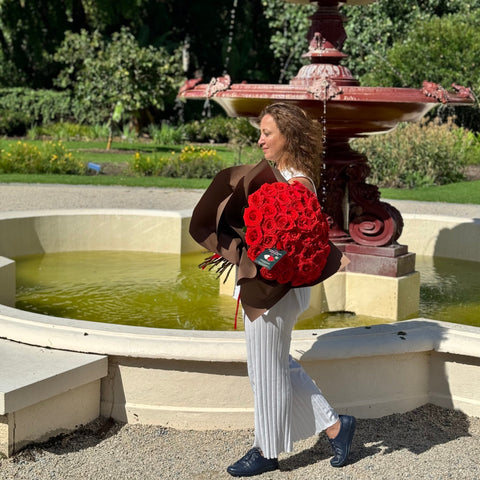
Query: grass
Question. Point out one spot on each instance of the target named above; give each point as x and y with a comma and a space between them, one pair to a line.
122, 151
461, 192
160, 182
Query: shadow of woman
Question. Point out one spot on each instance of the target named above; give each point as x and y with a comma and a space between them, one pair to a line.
367, 373
416, 431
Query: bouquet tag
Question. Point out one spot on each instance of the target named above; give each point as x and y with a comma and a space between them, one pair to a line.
269, 257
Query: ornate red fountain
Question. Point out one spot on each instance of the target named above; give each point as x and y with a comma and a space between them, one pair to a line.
365, 226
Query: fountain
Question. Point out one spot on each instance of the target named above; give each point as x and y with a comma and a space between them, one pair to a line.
362, 225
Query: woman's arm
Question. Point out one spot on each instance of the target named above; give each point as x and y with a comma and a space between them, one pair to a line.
304, 181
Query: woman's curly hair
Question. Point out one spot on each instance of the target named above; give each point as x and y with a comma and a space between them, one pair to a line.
303, 138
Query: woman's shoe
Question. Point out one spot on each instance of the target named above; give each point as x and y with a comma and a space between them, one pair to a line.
252, 463
343, 441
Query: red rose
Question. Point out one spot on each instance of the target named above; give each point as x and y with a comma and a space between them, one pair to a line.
269, 190
306, 270
254, 235
269, 209
284, 222
313, 203
293, 193
254, 251
284, 198
252, 216
269, 225
267, 274
284, 270
303, 223
292, 213
269, 241
255, 199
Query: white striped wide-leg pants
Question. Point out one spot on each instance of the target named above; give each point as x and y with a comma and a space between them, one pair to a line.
288, 404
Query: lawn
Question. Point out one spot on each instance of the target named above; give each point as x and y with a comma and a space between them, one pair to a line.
461, 192
121, 153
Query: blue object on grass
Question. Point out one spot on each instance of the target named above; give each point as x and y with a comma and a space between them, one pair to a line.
94, 166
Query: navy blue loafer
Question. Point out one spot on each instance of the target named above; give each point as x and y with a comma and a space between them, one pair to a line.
343, 441
252, 463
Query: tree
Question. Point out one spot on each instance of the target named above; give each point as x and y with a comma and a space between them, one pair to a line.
30, 32
373, 29
447, 47
289, 26
109, 78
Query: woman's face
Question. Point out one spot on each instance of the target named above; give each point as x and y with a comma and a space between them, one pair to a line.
271, 140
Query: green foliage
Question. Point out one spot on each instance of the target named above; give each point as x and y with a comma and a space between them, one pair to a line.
235, 131
105, 76
448, 48
373, 29
417, 155
221, 130
49, 157
30, 32
68, 131
461, 192
192, 162
14, 122
167, 134
458, 63
22, 107
289, 26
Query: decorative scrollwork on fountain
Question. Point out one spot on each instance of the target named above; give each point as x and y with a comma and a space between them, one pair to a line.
463, 92
324, 89
371, 222
377, 224
434, 90
218, 84
189, 85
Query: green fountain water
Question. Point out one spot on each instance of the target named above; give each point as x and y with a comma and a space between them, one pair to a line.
170, 291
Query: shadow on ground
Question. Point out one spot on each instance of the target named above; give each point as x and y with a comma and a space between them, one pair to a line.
416, 431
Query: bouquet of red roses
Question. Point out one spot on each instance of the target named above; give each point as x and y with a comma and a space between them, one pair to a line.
250, 211
287, 233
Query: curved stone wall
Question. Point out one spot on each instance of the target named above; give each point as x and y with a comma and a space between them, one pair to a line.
191, 379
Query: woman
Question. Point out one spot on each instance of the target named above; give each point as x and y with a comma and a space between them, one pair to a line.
288, 404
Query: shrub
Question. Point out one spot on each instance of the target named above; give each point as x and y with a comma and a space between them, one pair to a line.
119, 74
166, 134
14, 123
49, 157
191, 162
36, 106
68, 131
221, 130
417, 154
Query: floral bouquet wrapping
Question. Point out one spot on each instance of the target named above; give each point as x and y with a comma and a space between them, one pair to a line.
274, 232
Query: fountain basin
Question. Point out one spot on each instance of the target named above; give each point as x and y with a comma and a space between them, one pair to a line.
356, 111
167, 377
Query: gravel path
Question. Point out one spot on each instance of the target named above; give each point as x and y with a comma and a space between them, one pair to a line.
40, 197
428, 443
